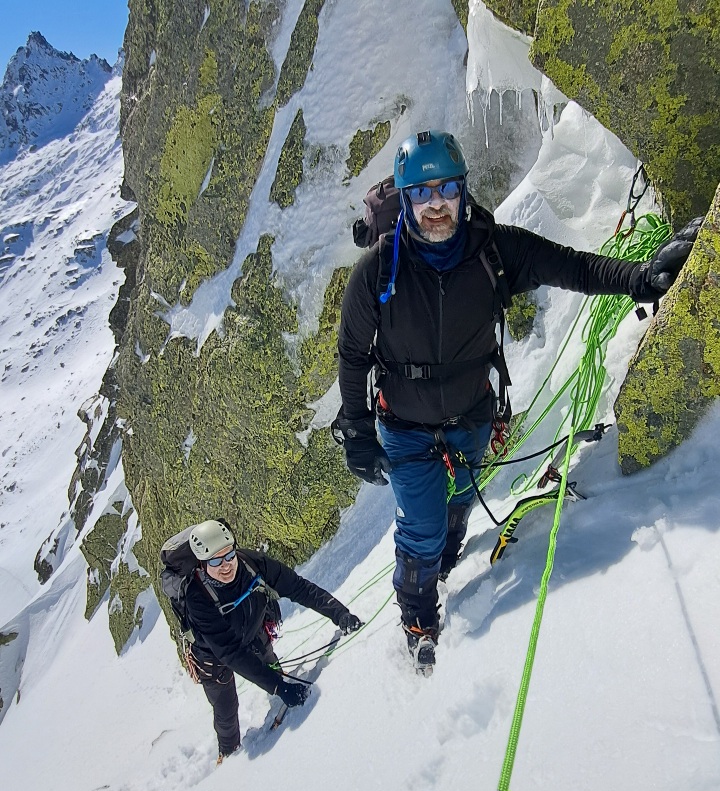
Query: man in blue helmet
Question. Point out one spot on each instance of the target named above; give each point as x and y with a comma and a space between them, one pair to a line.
431, 333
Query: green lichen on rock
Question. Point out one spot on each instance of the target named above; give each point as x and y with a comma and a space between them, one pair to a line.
209, 70
7, 637
214, 431
461, 9
675, 374
366, 143
195, 133
100, 548
300, 52
125, 615
318, 353
647, 71
190, 145
290, 165
518, 14
520, 316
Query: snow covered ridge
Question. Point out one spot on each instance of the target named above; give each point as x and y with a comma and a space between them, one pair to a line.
45, 94
58, 285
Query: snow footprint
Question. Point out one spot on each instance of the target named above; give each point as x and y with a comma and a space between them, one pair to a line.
474, 605
473, 715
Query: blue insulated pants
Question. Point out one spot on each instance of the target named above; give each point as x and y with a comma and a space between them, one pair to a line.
420, 485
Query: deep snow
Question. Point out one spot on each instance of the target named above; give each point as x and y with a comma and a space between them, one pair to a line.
627, 675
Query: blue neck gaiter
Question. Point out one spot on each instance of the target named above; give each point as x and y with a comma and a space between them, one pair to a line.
441, 256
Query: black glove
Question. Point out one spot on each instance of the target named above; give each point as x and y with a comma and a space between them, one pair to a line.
654, 277
292, 694
349, 623
364, 455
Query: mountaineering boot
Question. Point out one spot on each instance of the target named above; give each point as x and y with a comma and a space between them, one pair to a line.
458, 515
421, 645
225, 754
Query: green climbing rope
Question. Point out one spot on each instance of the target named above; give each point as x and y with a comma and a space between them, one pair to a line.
606, 313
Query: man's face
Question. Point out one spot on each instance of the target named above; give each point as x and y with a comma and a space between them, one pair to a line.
438, 216
227, 569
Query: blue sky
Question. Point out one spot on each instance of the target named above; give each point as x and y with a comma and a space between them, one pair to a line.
82, 27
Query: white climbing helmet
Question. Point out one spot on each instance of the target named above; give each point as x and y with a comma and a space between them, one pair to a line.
208, 538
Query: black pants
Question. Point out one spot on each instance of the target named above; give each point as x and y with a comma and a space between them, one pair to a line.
218, 683
222, 695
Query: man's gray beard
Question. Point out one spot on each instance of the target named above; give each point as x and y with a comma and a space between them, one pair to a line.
439, 235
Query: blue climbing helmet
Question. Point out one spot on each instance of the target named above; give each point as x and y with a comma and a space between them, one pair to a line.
427, 156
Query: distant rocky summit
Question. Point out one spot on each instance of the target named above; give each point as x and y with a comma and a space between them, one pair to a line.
45, 94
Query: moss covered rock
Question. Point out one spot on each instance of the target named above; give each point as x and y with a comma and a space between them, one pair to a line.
290, 165
100, 548
648, 71
125, 614
366, 143
215, 433
518, 14
675, 374
520, 316
461, 9
7, 637
300, 52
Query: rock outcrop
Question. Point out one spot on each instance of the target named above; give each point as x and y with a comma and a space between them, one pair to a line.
675, 374
649, 72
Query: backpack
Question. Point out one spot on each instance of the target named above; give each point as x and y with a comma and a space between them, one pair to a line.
180, 565
382, 209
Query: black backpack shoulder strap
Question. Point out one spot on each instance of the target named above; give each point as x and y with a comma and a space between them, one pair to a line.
385, 262
490, 258
208, 587
492, 262
250, 566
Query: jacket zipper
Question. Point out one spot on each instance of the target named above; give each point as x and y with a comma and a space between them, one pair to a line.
441, 294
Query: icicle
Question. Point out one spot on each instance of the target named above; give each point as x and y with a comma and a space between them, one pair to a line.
486, 104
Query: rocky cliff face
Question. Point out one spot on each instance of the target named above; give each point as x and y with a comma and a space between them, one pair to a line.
46, 92
213, 430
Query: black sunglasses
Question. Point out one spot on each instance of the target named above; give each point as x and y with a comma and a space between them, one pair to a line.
448, 190
215, 562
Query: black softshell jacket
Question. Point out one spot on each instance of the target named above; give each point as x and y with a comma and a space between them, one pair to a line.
437, 318
228, 637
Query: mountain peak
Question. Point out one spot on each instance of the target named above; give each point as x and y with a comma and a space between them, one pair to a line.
45, 93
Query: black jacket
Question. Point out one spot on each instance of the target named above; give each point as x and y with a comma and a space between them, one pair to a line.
439, 318
228, 637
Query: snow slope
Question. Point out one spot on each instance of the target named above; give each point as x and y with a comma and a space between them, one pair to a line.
57, 286
627, 676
